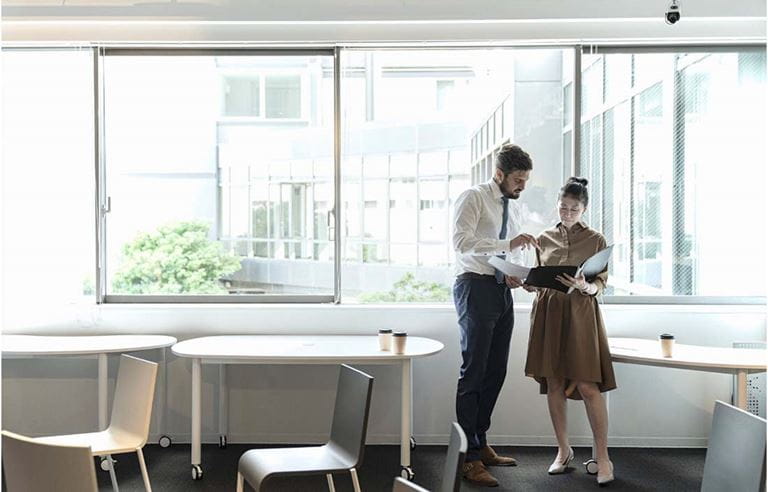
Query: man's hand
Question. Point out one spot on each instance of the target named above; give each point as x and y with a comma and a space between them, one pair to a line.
513, 282
524, 241
530, 288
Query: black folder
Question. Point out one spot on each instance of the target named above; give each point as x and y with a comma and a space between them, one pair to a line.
544, 276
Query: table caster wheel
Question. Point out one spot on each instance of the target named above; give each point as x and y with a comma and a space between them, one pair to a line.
591, 466
105, 463
413, 443
197, 472
222, 442
164, 441
406, 472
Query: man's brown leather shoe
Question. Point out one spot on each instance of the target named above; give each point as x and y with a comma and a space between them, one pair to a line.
490, 458
475, 472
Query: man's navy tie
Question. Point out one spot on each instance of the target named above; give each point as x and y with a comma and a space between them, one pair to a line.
502, 235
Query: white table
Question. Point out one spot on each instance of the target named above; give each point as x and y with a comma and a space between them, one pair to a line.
299, 349
737, 361
30, 346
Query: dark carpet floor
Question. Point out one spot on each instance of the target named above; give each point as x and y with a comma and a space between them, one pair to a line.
636, 469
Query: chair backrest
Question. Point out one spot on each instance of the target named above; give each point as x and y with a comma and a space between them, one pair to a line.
403, 485
350, 415
735, 452
134, 394
31, 466
457, 451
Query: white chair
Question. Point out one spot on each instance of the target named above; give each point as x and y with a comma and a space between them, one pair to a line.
735, 452
129, 424
32, 466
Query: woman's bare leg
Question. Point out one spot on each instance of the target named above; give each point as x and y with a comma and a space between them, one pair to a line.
558, 414
598, 420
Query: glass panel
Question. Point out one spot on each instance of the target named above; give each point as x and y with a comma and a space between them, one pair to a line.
437, 119
664, 198
48, 183
206, 205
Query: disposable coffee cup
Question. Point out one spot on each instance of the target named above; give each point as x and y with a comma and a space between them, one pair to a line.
398, 342
385, 340
667, 344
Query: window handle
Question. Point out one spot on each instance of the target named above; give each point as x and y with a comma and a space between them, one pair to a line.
107, 207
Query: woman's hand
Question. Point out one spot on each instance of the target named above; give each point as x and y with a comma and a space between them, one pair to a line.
579, 283
530, 288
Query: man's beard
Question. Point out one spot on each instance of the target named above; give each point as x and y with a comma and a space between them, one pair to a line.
513, 195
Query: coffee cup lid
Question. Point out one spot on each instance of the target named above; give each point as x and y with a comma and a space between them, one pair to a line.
400, 334
386, 330
666, 336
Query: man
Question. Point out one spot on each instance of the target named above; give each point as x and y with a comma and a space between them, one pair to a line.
484, 218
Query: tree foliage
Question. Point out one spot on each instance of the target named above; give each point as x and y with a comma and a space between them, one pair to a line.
176, 259
408, 289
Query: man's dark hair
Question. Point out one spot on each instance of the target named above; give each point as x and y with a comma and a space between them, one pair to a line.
513, 158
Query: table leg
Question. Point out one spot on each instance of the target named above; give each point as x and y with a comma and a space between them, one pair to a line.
405, 421
741, 389
103, 379
196, 408
223, 406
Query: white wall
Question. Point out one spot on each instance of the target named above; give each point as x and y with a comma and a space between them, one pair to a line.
651, 407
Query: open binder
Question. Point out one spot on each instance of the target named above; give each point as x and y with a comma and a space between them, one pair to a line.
544, 276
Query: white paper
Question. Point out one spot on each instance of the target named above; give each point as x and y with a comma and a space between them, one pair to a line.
509, 268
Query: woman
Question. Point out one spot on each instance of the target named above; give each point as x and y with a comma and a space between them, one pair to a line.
568, 350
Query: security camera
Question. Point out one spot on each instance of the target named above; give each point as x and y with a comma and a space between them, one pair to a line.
673, 13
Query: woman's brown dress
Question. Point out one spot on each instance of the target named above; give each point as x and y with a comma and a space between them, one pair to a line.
567, 338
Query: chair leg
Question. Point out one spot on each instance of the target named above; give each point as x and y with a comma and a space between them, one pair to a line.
330, 483
355, 481
144, 473
239, 483
112, 473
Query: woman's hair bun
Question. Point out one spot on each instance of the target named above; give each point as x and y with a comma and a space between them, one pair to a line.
581, 181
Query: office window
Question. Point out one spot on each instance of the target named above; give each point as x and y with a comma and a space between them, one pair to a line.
676, 160
204, 204
48, 183
439, 117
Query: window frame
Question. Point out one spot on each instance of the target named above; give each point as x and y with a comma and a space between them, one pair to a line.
103, 200
574, 80
634, 92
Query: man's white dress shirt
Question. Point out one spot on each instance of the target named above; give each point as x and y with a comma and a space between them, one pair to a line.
477, 222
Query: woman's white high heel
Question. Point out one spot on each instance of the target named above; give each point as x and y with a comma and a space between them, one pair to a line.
603, 480
557, 467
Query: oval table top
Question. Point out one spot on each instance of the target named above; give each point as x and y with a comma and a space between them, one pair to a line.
81, 345
300, 348
648, 352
